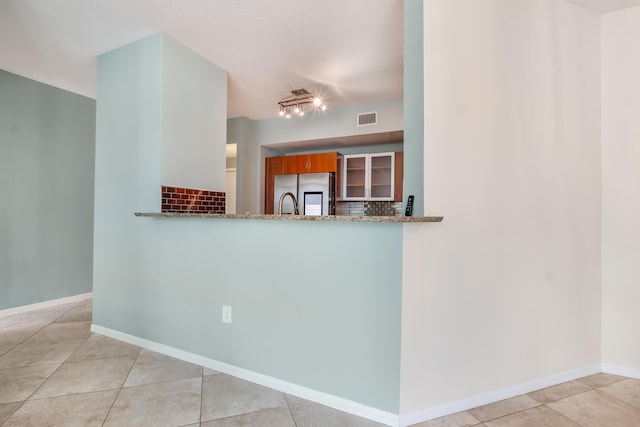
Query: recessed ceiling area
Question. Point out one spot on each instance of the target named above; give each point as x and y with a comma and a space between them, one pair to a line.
335, 144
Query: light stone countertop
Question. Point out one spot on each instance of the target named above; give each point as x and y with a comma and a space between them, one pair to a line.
332, 218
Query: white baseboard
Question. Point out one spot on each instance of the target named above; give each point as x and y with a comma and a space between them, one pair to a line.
497, 395
332, 401
609, 368
44, 304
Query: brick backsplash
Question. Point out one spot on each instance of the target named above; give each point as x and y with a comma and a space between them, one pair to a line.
177, 199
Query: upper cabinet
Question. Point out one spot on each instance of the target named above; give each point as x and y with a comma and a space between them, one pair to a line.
311, 163
399, 176
370, 177
272, 166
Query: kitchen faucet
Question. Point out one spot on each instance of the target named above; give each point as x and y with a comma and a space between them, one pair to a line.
295, 203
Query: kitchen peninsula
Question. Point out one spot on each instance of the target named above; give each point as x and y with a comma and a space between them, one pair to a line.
317, 302
331, 218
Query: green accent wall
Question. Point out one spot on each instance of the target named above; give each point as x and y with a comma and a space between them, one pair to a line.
314, 304
414, 105
47, 141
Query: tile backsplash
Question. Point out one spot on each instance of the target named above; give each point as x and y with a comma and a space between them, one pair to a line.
178, 199
369, 208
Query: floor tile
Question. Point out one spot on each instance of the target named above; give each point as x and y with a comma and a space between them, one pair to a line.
6, 348
207, 371
17, 384
17, 334
28, 354
173, 403
100, 347
86, 376
79, 313
597, 409
312, 414
153, 367
600, 380
80, 410
540, 416
294, 400
503, 407
627, 391
62, 331
277, 417
460, 419
6, 409
559, 391
226, 396
41, 316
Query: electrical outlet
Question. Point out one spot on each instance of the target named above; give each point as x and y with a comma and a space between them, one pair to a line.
226, 314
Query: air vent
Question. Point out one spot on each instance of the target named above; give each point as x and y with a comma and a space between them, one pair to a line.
368, 119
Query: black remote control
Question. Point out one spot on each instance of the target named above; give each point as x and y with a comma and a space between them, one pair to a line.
409, 209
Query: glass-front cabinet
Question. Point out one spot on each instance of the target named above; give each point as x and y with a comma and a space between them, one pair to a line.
368, 176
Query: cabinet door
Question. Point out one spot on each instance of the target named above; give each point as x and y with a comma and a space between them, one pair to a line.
399, 174
272, 166
322, 162
355, 177
381, 176
295, 164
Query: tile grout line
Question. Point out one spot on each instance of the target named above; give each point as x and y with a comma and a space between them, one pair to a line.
120, 389
295, 423
591, 388
201, 395
50, 375
627, 404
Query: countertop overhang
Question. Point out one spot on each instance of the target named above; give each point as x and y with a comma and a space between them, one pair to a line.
331, 218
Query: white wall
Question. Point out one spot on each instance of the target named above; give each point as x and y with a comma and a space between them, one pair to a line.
621, 189
506, 290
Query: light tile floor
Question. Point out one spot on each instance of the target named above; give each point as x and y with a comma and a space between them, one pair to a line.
55, 372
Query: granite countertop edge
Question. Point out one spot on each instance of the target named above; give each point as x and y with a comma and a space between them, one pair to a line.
335, 218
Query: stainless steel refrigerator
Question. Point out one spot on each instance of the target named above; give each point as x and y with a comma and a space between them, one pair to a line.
314, 192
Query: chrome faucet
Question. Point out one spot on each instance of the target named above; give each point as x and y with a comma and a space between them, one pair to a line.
295, 203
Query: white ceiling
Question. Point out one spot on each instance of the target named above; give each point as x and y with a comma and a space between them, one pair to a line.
605, 6
350, 51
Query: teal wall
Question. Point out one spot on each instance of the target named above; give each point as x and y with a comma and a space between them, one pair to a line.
47, 140
194, 122
306, 309
240, 132
314, 304
414, 105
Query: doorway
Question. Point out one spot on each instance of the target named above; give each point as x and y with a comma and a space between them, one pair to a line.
230, 181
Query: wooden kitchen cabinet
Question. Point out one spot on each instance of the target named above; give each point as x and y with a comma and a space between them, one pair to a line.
311, 163
294, 164
272, 166
399, 176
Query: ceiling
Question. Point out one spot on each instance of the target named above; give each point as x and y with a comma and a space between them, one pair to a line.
337, 143
350, 52
605, 6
